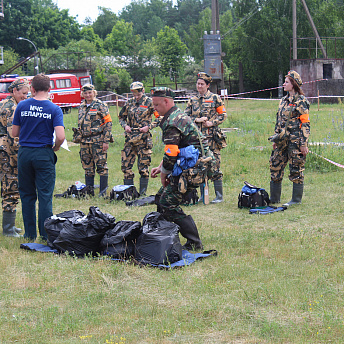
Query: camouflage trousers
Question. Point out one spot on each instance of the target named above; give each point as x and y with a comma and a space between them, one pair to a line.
129, 153
168, 200
9, 180
93, 158
215, 148
279, 159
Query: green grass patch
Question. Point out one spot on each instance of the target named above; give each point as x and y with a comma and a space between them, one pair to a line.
277, 279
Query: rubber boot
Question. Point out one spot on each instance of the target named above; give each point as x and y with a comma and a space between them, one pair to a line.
89, 181
188, 230
297, 195
275, 192
218, 192
128, 181
103, 186
143, 186
8, 224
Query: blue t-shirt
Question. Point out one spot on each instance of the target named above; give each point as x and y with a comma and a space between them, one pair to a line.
37, 119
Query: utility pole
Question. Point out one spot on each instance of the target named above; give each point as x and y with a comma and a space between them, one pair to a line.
213, 51
313, 28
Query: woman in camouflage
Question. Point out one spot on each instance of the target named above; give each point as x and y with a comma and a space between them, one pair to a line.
94, 127
9, 146
290, 140
208, 112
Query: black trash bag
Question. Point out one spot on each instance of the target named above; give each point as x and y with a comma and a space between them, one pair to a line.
54, 224
80, 236
159, 242
120, 241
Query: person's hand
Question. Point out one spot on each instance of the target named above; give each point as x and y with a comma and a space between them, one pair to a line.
274, 146
55, 148
144, 129
105, 146
127, 129
304, 150
155, 171
208, 124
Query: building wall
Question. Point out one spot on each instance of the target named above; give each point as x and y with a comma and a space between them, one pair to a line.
314, 69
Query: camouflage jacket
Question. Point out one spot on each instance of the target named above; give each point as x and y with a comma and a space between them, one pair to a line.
94, 122
178, 130
137, 114
7, 108
210, 106
297, 107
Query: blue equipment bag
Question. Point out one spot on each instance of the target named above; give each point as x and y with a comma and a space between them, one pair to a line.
252, 197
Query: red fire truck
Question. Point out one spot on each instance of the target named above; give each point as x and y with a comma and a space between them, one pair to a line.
65, 88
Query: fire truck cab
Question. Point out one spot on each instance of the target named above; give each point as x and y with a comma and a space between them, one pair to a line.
65, 88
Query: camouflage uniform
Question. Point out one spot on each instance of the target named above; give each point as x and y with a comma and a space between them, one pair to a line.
179, 130
211, 106
298, 130
95, 125
8, 154
137, 114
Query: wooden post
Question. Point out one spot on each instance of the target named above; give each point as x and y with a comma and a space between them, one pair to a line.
117, 104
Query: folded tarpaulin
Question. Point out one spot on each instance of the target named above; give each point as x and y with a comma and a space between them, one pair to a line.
187, 257
187, 158
141, 201
267, 210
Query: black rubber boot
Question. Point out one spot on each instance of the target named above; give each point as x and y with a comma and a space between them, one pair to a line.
103, 186
297, 195
188, 230
89, 181
8, 224
143, 186
275, 192
218, 192
128, 181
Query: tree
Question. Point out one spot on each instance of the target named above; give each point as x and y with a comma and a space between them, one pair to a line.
104, 23
120, 38
171, 51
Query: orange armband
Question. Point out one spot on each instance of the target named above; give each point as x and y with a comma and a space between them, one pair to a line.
304, 118
220, 110
156, 114
107, 119
172, 150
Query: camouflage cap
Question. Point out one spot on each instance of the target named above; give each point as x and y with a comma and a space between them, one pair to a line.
18, 83
164, 92
136, 85
87, 87
204, 76
296, 76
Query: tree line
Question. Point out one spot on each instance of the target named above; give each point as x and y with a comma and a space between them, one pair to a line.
160, 39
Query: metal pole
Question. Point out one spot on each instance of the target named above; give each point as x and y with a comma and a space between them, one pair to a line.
294, 32
36, 53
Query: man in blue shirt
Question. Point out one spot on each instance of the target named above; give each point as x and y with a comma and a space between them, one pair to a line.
35, 121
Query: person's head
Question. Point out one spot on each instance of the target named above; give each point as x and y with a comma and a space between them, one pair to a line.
163, 99
19, 88
88, 92
137, 90
41, 83
203, 82
293, 82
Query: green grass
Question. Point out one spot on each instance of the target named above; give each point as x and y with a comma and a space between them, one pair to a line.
277, 278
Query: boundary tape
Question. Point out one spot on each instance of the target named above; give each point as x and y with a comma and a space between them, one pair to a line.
330, 161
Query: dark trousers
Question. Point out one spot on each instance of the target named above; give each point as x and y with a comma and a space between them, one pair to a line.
36, 177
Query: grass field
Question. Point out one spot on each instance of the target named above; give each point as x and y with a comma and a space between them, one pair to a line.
278, 278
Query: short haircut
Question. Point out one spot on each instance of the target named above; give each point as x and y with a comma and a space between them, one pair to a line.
41, 82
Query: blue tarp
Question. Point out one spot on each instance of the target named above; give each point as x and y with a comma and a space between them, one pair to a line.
187, 257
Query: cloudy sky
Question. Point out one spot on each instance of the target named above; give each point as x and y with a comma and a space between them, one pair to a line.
89, 8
